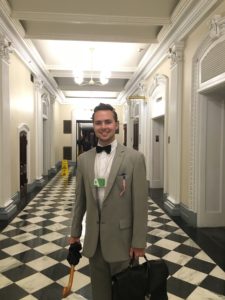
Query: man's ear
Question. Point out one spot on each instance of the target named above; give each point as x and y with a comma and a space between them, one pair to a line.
117, 126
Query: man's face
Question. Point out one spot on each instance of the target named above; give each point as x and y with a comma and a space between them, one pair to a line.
105, 126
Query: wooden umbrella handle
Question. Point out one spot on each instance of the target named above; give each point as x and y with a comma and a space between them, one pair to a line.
67, 289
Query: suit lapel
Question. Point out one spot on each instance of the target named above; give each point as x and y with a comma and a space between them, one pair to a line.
115, 168
91, 171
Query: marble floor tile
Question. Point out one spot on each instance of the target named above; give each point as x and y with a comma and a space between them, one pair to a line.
34, 247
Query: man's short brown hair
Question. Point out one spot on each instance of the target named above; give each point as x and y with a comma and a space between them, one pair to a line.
103, 106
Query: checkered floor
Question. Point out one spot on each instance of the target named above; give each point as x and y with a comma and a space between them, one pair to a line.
33, 249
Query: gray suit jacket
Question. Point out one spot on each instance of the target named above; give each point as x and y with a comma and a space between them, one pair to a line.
122, 222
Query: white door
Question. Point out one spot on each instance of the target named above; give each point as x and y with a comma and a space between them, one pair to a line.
211, 200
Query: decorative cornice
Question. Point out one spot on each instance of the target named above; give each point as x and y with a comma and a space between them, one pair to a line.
176, 53
158, 79
38, 84
216, 26
45, 97
5, 48
52, 98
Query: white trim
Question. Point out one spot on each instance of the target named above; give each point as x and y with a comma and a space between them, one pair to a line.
47, 141
174, 122
212, 83
90, 19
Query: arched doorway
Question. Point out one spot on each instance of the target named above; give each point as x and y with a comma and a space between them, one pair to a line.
207, 160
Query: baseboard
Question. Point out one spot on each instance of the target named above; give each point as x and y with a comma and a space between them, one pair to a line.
7, 213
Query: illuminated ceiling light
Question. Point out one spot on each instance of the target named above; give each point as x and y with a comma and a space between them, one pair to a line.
79, 75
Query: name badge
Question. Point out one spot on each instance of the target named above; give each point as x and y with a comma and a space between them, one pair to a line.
100, 182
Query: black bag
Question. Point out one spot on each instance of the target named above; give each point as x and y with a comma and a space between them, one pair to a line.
137, 281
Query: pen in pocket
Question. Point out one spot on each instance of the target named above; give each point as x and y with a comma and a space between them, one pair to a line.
123, 187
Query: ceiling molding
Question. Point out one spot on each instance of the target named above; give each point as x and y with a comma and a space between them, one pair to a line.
90, 32
89, 19
69, 73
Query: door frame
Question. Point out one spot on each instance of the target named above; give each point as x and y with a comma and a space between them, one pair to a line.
197, 119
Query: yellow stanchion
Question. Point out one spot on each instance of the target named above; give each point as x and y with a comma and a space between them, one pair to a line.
65, 168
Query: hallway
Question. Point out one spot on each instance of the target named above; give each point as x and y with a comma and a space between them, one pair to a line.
33, 249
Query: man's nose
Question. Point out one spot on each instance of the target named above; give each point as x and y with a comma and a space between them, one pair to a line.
103, 125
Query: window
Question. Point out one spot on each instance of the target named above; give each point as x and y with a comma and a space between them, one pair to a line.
67, 126
67, 153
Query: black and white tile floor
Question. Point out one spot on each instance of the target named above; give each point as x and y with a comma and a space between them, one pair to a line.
33, 249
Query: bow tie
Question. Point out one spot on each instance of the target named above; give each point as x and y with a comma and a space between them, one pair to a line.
107, 149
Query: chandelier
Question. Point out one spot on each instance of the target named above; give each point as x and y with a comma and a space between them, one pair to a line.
79, 74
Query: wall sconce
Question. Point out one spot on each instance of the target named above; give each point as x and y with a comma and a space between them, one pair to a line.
140, 95
137, 97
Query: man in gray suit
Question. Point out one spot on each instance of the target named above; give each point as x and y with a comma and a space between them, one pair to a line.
111, 188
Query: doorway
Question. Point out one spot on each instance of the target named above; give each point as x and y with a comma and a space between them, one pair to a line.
86, 138
125, 134
211, 202
157, 180
136, 134
23, 163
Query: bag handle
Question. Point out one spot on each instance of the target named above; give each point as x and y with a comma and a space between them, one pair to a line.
132, 260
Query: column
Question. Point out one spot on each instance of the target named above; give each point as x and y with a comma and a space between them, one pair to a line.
52, 134
38, 85
6, 204
129, 125
174, 129
143, 114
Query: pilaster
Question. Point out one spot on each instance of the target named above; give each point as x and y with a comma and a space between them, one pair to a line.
52, 134
174, 126
6, 205
38, 85
129, 125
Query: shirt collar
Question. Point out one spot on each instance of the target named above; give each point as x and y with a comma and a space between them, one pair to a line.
114, 145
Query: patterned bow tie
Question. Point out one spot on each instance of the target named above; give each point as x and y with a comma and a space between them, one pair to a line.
107, 149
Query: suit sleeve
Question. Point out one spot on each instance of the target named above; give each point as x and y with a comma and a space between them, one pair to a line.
140, 202
80, 203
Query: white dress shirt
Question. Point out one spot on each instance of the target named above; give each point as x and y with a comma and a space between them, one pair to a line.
103, 164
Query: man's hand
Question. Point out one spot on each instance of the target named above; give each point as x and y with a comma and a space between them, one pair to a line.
74, 254
137, 252
73, 240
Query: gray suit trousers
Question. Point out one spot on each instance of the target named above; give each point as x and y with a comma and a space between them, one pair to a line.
101, 274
